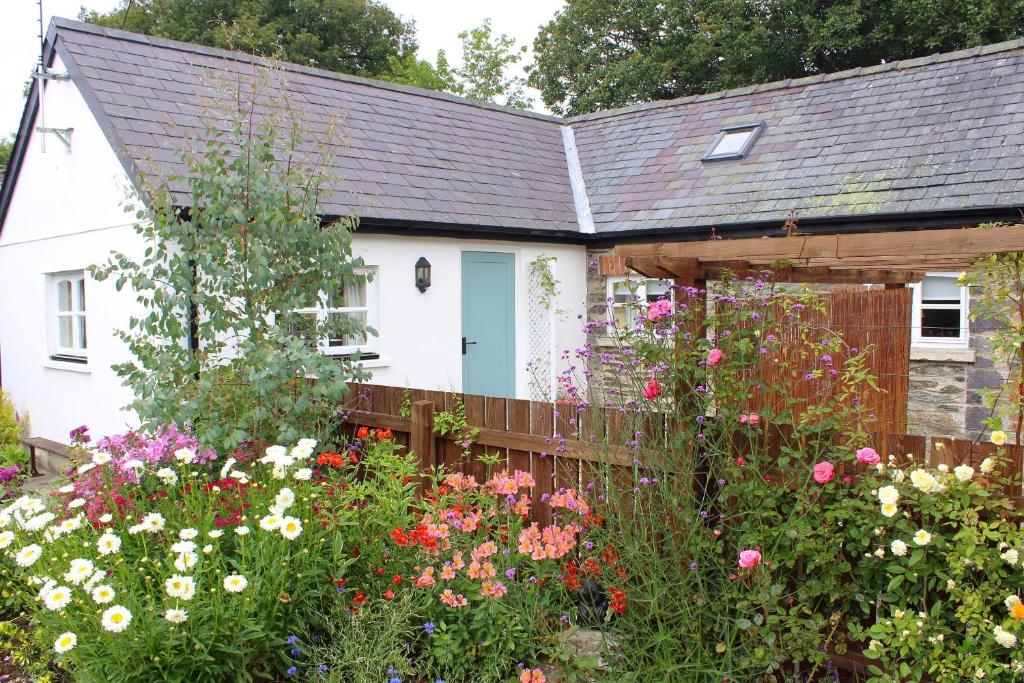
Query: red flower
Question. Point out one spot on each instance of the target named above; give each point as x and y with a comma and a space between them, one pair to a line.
618, 601
385, 434
362, 432
396, 579
360, 598
389, 594
379, 571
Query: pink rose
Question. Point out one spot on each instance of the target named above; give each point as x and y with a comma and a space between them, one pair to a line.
652, 390
659, 309
715, 356
868, 456
824, 472
749, 559
750, 418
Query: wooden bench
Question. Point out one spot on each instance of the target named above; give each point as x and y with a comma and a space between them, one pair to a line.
48, 445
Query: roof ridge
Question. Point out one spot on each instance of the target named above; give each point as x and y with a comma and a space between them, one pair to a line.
909, 63
196, 48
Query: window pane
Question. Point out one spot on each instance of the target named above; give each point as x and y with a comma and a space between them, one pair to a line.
732, 142
81, 333
940, 323
622, 316
658, 289
940, 290
64, 295
349, 339
81, 294
351, 295
622, 292
65, 324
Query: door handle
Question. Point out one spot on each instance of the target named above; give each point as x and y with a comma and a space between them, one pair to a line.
465, 344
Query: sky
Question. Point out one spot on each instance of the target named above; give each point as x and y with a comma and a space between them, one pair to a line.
438, 23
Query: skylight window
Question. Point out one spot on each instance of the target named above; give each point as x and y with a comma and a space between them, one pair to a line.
734, 142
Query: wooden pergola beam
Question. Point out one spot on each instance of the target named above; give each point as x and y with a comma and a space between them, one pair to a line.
915, 247
691, 269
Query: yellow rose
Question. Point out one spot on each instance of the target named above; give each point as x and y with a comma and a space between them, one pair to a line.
998, 437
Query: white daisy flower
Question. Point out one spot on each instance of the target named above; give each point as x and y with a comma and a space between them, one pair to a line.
215, 533
285, 498
235, 583
176, 616
228, 464
207, 549
185, 561
274, 453
106, 518
188, 533
6, 538
76, 503
28, 555
153, 522
180, 587
168, 476
185, 455
304, 474
307, 443
183, 547
85, 467
270, 522
68, 488
39, 522
108, 544
136, 529
101, 457
116, 619
79, 571
101, 595
65, 642
71, 524
290, 528
240, 530
57, 598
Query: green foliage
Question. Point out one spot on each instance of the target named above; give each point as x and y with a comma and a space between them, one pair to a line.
453, 423
420, 73
996, 284
10, 428
350, 36
6, 147
597, 54
540, 268
486, 59
250, 252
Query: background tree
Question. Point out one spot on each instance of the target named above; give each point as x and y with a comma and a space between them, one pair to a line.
599, 54
237, 267
350, 36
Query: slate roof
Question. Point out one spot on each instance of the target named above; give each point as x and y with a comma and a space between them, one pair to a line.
404, 155
940, 133
935, 139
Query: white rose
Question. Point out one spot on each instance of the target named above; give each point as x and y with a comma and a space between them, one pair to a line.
963, 472
898, 548
888, 495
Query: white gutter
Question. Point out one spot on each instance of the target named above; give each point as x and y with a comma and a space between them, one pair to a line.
584, 217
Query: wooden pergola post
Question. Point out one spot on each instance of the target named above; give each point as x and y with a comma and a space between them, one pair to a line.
421, 438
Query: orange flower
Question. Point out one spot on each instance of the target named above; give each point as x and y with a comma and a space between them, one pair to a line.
384, 434
1017, 611
532, 676
362, 432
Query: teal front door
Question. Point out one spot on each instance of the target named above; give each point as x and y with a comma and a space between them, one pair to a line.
488, 323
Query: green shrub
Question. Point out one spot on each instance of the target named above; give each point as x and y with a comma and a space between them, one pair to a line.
10, 427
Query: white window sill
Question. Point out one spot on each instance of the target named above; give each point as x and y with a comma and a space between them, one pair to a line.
82, 368
375, 363
952, 354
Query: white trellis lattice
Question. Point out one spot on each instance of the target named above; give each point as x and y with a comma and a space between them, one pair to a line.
541, 321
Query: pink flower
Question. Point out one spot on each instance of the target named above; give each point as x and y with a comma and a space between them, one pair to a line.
659, 309
652, 390
715, 356
750, 418
749, 559
868, 456
824, 472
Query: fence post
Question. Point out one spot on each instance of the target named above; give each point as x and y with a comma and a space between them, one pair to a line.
421, 437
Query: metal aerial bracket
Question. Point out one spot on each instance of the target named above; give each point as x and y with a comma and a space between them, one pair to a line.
62, 134
47, 76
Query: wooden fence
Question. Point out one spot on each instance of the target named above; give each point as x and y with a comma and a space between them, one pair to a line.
522, 433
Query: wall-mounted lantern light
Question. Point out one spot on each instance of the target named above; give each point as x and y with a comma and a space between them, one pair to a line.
422, 274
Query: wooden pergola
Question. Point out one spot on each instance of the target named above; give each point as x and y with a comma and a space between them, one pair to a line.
889, 258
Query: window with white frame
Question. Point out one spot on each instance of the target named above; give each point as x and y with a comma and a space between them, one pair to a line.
68, 339
626, 294
357, 302
940, 311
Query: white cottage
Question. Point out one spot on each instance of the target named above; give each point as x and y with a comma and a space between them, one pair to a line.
480, 192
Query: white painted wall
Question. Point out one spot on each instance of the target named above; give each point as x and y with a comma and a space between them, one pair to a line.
420, 334
66, 213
